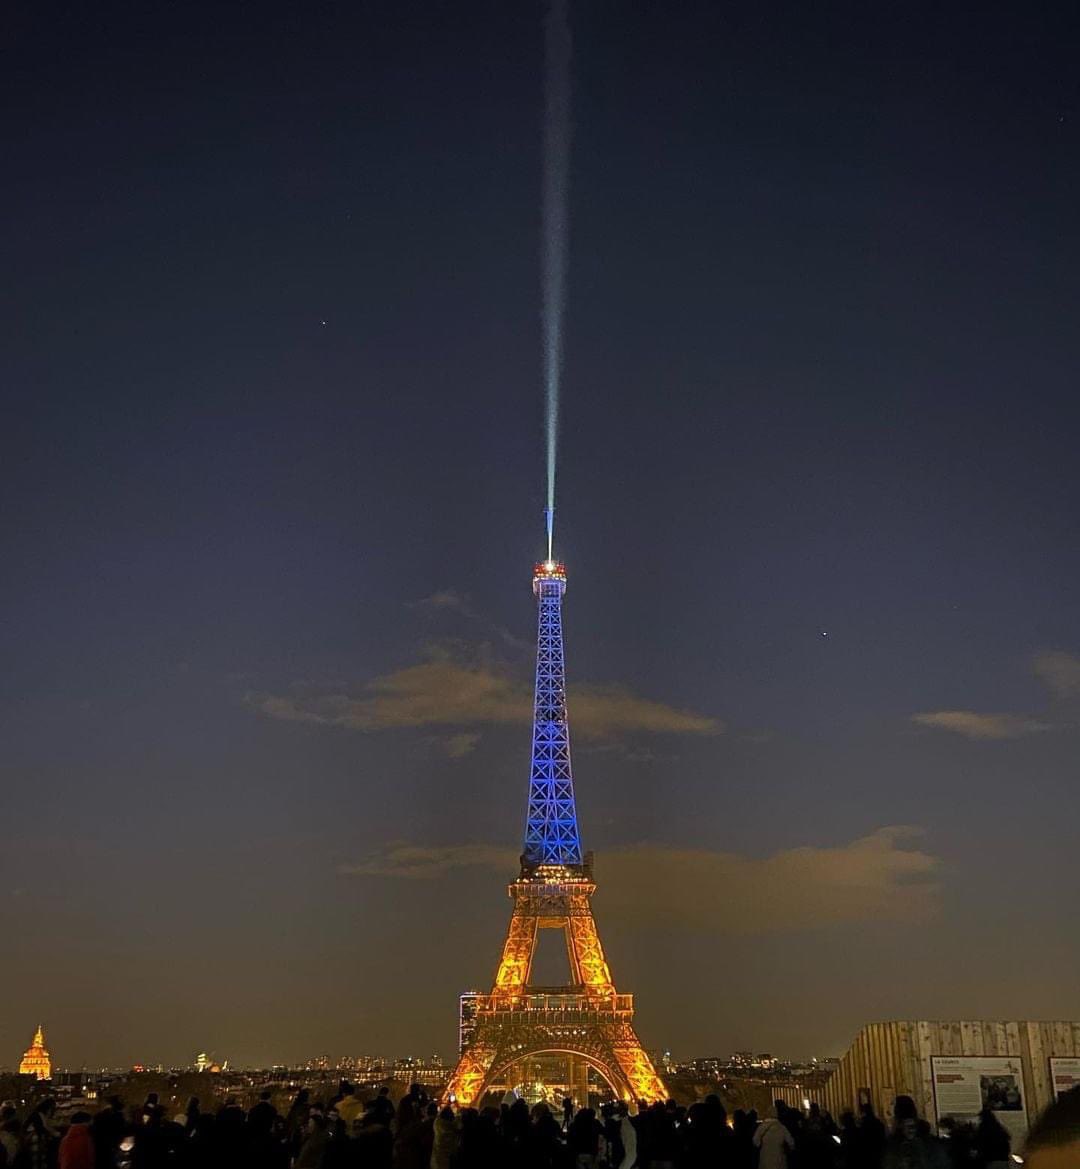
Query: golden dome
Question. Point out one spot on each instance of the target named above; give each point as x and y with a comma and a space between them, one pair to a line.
36, 1061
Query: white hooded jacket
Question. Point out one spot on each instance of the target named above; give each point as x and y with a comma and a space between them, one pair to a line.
628, 1136
774, 1141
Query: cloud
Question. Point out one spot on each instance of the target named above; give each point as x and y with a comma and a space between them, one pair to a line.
1059, 672
448, 692
444, 599
880, 877
459, 745
974, 725
628, 752
602, 711
873, 878
448, 605
418, 862
434, 693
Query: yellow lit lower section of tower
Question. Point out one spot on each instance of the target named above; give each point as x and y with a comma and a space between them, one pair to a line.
588, 1019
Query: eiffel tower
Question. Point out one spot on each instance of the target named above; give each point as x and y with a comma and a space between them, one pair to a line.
588, 1019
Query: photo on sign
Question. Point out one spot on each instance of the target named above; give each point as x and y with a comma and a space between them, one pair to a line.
1001, 1093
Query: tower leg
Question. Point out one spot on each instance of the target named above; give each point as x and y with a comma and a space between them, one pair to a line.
517, 956
588, 954
470, 1079
637, 1068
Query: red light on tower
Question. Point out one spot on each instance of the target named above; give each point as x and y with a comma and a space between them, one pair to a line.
548, 570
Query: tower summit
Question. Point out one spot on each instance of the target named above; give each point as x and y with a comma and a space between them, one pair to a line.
585, 1019
551, 829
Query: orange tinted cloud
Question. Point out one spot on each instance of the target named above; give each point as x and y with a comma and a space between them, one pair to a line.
419, 862
975, 725
1059, 672
880, 877
446, 692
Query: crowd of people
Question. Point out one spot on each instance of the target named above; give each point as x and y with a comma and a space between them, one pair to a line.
353, 1130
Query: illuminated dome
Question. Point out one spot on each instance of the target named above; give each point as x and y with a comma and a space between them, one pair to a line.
36, 1061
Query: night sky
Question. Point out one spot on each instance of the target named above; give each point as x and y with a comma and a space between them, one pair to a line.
272, 483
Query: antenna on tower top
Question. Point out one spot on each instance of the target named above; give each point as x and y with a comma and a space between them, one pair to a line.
549, 519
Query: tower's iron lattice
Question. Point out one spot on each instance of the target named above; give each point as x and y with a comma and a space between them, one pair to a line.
587, 1018
551, 831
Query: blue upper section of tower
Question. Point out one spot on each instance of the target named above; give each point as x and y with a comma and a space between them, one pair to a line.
551, 829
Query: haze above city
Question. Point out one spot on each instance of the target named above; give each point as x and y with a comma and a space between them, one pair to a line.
273, 487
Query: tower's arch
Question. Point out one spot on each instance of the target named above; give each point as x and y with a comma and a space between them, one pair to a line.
609, 1073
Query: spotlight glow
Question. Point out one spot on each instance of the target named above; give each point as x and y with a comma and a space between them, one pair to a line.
555, 217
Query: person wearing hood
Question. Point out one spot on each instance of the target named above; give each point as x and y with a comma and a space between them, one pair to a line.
773, 1141
447, 1140
77, 1146
351, 1108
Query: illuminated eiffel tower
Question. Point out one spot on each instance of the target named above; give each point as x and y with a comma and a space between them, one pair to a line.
587, 1019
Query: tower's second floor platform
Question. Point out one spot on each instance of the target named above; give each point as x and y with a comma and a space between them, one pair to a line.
554, 1005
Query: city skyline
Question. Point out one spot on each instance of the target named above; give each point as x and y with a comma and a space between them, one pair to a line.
363, 1063
275, 483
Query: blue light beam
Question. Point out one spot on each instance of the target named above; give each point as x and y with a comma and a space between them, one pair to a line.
555, 224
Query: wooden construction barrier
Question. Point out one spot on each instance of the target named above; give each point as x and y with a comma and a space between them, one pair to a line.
887, 1060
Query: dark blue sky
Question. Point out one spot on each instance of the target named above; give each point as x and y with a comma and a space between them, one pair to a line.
271, 374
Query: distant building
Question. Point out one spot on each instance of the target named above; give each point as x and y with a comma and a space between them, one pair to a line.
432, 1073
466, 1018
36, 1061
203, 1062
